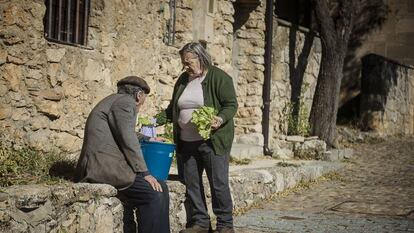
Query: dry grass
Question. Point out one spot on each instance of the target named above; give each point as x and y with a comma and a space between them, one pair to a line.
26, 166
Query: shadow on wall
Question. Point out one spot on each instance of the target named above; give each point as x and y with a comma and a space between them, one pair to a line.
242, 13
297, 71
379, 75
371, 16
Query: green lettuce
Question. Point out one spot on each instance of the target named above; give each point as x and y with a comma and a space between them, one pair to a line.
202, 118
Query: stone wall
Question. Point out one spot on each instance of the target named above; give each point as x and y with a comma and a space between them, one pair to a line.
60, 208
387, 96
48, 89
248, 65
296, 58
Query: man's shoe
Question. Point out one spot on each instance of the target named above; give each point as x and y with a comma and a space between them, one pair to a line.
195, 229
225, 230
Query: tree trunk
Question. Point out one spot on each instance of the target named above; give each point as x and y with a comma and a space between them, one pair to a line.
325, 101
335, 28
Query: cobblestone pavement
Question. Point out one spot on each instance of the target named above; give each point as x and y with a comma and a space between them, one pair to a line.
373, 193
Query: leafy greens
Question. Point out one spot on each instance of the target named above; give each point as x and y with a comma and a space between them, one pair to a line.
202, 118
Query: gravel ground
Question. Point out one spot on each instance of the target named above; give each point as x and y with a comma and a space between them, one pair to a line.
373, 193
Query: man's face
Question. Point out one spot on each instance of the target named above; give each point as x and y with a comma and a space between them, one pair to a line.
140, 99
191, 64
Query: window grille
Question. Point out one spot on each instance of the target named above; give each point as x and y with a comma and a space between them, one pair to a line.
66, 21
211, 6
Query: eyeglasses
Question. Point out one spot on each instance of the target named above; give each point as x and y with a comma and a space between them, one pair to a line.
189, 61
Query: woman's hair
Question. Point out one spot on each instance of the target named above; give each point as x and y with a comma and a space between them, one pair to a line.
198, 50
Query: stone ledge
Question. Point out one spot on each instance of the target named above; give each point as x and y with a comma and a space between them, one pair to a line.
89, 207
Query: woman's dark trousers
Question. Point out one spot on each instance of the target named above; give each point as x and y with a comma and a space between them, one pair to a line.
197, 157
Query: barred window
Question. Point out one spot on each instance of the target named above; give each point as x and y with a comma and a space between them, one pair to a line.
66, 21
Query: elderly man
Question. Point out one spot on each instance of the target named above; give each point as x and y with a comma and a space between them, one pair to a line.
111, 154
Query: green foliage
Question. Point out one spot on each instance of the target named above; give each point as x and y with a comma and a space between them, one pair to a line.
26, 166
202, 118
144, 120
298, 123
244, 161
286, 164
162, 118
168, 133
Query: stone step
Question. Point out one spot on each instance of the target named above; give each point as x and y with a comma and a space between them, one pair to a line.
245, 151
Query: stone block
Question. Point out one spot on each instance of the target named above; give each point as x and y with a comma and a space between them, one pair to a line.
13, 74
67, 142
283, 153
3, 56
39, 122
313, 149
226, 7
20, 114
266, 177
51, 94
295, 138
55, 55
5, 112
252, 139
245, 151
257, 59
50, 108
34, 74
93, 70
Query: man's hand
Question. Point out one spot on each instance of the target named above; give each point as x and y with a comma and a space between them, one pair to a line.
153, 182
216, 122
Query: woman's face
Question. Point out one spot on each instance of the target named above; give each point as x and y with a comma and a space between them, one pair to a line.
192, 65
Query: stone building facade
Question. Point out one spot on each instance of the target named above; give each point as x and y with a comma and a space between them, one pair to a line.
47, 89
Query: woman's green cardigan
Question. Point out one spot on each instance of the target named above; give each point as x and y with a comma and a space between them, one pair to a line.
219, 93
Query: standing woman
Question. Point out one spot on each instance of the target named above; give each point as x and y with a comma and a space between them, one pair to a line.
203, 84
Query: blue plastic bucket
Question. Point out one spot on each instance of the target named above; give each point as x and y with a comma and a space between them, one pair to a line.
158, 157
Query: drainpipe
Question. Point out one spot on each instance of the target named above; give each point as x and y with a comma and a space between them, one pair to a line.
267, 75
171, 23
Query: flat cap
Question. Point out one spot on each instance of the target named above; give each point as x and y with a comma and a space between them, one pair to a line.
135, 81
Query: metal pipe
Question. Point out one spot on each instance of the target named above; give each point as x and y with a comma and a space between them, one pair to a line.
267, 76
169, 29
173, 21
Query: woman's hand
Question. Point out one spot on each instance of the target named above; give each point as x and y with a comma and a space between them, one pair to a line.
216, 122
153, 182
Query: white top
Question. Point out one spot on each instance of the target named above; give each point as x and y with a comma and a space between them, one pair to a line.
190, 100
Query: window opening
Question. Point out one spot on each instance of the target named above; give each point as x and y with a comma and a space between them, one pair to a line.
66, 21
